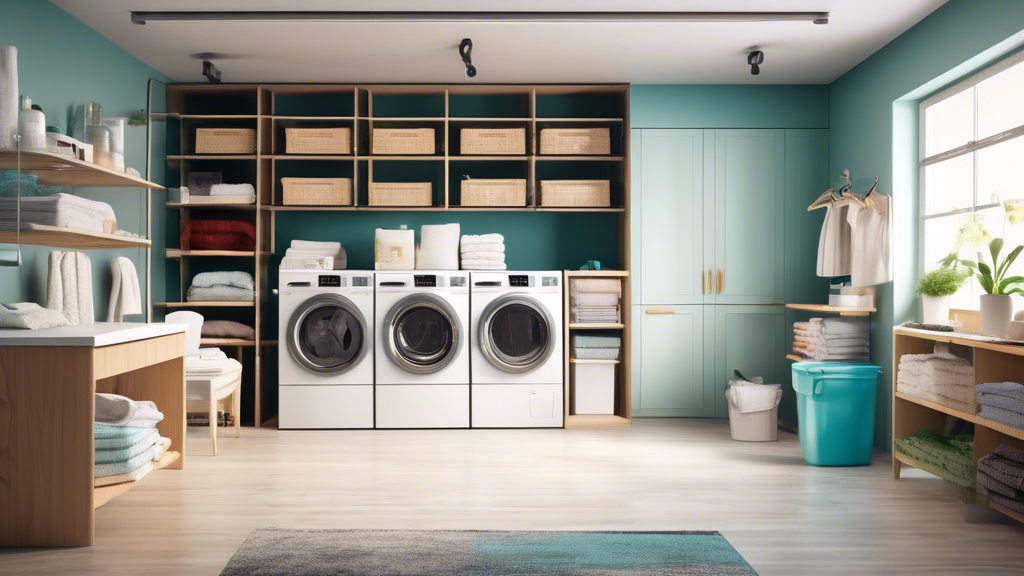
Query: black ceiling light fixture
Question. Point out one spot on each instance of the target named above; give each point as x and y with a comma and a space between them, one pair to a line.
211, 72
466, 51
755, 59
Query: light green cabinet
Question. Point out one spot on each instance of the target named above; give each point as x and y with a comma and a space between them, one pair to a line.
669, 356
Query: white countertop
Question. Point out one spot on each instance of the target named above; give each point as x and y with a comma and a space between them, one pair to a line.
95, 335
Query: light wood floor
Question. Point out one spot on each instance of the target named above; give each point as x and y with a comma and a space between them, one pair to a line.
784, 517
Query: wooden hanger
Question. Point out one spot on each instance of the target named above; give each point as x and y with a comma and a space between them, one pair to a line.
833, 197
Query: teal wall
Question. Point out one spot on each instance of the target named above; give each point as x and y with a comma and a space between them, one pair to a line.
728, 106
63, 63
873, 119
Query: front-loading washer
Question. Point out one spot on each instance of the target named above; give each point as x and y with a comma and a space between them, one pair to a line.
325, 349
422, 357
518, 370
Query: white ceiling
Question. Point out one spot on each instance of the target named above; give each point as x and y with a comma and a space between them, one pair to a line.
669, 53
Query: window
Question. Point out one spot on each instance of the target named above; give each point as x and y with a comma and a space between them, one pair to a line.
972, 184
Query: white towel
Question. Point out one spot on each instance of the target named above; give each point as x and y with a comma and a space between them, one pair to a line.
69, 286
29, 316
338, 258
220, 294
8, 97
596, 286
161, 448
329, 248
232, 190
117, 410
483, 239
236, 279
473, 247
197, 365
587, 299
483, 255
482, 265
438, 248
125, 295
302, 263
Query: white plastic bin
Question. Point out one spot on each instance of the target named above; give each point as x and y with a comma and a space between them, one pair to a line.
595, 387
760, 423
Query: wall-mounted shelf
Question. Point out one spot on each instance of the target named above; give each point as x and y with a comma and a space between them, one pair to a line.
175, 253
40, 235
103, 494
840, 310
795, 358
226, 342
56, 170
178, 205
217, 304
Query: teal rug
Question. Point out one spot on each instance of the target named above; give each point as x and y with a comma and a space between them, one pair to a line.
277, 552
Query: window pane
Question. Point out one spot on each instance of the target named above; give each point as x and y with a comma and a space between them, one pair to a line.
999, 102
999, 172
950, 123
940, 239
949, 185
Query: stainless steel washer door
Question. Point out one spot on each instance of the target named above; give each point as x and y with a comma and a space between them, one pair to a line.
327, 334
422, 333
515, 333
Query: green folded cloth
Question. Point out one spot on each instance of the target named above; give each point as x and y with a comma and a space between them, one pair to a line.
591, 341
106, 456
953, 456
118, 437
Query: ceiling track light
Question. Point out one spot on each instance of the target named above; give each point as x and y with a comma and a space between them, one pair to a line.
507, 17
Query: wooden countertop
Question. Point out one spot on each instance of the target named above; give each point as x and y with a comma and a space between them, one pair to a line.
94, 335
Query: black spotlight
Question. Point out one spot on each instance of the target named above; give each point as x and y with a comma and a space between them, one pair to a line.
211, 72
466, 51
755, 59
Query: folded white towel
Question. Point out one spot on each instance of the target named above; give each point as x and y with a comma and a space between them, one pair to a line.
237, 279
69, 286
483, 239
483, 255
197, 365
220, 294
317, 263
125, 295
596, 286
476, 247
438, 248
30, 316
328, 247
483, 265
117, 410
339, 259
595, 299
232, 190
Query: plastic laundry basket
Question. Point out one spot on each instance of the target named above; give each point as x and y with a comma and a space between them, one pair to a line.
759, 426
836, 411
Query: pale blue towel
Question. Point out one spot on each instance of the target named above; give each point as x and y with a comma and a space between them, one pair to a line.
118, 468
113, 437
113, 455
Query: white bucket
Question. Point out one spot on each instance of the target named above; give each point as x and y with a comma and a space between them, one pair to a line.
762, 426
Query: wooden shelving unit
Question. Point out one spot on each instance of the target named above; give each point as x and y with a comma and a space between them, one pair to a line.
103, 494
826, 309
993, 362
57, 169
217, 304
40, 235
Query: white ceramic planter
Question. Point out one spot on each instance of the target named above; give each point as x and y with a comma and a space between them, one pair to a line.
935, 309
996, 314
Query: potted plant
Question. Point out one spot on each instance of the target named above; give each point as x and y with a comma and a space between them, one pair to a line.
935, 288
996, 304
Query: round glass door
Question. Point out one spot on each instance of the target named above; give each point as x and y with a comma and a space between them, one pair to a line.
515, 333
423, 333
326, 334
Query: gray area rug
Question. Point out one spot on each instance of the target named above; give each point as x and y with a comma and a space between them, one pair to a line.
278, 552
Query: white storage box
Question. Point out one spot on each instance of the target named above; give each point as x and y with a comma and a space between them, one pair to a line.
595, 387
761, 422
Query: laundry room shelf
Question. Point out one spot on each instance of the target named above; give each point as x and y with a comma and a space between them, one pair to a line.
180, 157
40, 235
104, 494
176, 206
57, 169
826, 309
216, 304
175, 253
596, 421
795, 358
226, 342
591, 361
596, 326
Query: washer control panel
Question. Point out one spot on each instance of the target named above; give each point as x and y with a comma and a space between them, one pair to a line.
325, 281
519, 281
424, 281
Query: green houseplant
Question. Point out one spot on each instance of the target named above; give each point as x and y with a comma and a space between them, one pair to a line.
935, 288
996, 304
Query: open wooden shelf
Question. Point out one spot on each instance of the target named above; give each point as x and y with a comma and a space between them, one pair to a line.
596, 326
226, 342
921, 465
166, 115
214, 304
1003, 509
826, 309
592, 361
175, 253
596, 421
973, 418
179, 157
348, 157
178, 205
57, 169
795, 358
40, 235
104, 494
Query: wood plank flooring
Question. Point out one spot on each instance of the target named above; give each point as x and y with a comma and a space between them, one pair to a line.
785, 517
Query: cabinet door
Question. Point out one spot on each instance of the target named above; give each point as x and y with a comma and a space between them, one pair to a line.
749, 216
751, 339
671, 245
670, 354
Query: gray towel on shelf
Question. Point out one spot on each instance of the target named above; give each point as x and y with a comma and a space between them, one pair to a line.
991, 484
1011, 503
220, 294
30, 316
1010, 390
1005, 471
1014, 419
235, 279
1010, 453
1002, 402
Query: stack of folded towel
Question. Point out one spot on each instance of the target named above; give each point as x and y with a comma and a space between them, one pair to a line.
954, 456
127, 443
1001, 477
1002, 402
941, 377
485, 252
208, 361
596, 347
222, 287
235, 193
309, 255
595, 300
832, 339
60, 210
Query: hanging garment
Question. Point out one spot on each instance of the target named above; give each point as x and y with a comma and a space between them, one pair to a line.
8, 97
69, 286
872, 243
835, 243
125, 296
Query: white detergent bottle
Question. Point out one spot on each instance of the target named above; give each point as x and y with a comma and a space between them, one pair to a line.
32, 127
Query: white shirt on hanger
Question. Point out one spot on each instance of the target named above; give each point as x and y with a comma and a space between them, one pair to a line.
835, 250
871, 263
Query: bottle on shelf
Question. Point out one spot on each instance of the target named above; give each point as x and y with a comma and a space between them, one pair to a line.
32, 126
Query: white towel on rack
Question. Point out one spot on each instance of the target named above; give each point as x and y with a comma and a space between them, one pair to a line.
69, 286
125, 295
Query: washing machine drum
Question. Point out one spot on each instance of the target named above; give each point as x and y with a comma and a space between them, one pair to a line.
516, 333
422, 333
327, 334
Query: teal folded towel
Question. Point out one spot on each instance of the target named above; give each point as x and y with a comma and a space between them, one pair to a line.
115, 437
108, 456
591, 341
118, 468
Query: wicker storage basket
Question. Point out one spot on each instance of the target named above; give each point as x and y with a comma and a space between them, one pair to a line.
486, 141
225, 141
575, 193
318, 140
316, 191
494, 192
401, 194
575, 141
403, 141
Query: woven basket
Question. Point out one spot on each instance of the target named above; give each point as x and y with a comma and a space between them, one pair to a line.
401, 194
225, 141
403, 141
578, 141
485, 141
316, 191
318, 140
575, 193
494, 192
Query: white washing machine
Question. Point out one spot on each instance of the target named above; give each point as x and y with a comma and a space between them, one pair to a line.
516, 355
422, 357
325, 349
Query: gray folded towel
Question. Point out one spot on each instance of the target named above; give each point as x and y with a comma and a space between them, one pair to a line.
1004, 471
1001, 415
30, 316
993, 485
1010, 453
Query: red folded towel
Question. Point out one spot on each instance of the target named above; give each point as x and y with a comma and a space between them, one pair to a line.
218, 235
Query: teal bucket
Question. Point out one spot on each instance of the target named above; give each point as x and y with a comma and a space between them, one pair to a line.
836, 411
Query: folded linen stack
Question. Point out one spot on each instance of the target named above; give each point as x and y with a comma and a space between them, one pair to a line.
127, 443
596, 347
222, 287
231, 193
941, 377
954, 456
595, 300
310, 255
439, 247
210, 365
1001, 477
484, 252
219, 235
60, 210
832, 339
1002, 402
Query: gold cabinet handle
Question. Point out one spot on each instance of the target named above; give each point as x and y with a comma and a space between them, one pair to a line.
710, 290
658, 311
719, 280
